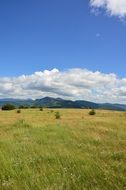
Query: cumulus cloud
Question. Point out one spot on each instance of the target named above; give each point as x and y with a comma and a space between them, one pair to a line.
113, 7
71, 84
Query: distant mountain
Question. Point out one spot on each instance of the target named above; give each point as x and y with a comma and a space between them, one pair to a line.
122, 106
61, 103
109, 106
16, 102
86, 104
54, 103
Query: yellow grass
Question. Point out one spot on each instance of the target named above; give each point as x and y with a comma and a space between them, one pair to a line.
78, 151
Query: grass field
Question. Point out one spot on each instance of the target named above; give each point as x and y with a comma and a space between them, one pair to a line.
76, 152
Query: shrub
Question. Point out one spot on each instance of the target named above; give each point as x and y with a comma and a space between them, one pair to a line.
57, 115
92, 112
23, 107
33, 107
41, 109
8, 107
18, 111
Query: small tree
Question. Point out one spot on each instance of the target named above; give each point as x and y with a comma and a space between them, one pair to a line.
23, 107
8, 107
18, 111
33, 107
92, 112
57, 115
41, 109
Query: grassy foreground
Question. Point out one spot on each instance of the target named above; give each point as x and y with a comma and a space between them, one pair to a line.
77, 152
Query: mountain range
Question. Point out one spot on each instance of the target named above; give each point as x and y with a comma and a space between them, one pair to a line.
50, 102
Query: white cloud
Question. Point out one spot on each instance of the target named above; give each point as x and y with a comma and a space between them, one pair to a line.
113, 7
70, 84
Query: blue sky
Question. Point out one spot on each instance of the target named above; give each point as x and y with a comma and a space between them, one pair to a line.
43, 34
73, 49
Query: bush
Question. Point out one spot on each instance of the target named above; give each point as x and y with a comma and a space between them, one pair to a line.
41, 109
8, 107
18, 111
23, 107
92, 112
33, 107
57, 115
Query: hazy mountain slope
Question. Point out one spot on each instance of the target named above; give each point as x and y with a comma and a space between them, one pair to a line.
61, 103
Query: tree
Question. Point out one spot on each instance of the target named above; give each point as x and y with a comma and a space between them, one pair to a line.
18, 111
8, 107
23, 107
41, 109
92, 112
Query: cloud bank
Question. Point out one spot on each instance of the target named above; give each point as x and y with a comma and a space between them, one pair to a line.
112, 7
71, 84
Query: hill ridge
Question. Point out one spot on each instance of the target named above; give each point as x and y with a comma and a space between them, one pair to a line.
51, 102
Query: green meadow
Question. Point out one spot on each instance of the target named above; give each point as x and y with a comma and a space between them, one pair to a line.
75, 152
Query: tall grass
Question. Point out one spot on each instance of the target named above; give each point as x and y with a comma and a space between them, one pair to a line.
78, 152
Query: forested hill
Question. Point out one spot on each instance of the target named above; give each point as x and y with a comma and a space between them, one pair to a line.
61, 103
